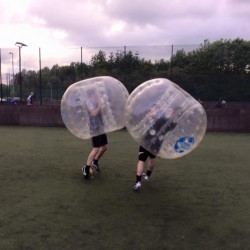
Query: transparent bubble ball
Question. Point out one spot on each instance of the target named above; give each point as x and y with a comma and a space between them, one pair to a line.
165, 119
94, 106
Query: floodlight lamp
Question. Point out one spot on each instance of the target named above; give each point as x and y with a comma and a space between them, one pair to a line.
20, 44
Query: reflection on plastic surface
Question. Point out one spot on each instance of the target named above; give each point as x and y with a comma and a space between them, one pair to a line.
94, 106
165, 119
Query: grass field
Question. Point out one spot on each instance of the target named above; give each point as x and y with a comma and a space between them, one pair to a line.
198, 202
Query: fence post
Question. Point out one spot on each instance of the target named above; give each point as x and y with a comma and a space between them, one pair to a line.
81, 65
40, 77
171, 66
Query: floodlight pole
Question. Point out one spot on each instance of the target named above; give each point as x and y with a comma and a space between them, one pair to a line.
13, 73
20, 45
40, 78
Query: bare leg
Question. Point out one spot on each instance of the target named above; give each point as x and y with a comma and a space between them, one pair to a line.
101, 151
139, 171
140, 168
92, 155
151, 164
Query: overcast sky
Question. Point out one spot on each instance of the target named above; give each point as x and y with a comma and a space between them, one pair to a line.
51, 24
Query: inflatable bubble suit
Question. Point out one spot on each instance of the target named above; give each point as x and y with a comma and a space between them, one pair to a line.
165, 119
94, 106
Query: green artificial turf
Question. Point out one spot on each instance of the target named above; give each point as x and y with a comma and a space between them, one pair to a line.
200, 201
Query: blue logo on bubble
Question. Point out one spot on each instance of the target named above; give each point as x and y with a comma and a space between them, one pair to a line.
183, 144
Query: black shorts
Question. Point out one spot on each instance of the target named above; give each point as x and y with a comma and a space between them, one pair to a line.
144, 154
99, 141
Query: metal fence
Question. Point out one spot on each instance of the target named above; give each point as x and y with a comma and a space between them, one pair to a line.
26, 59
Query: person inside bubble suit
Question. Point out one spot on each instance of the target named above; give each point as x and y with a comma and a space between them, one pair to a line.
161, 123
94, 107
99, 142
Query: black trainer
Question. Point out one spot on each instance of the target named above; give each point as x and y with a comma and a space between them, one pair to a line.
96, 166
85, 173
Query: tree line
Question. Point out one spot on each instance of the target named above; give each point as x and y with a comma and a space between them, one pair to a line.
218, 70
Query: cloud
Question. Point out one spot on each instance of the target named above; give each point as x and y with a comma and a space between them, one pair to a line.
84, 22
158, 12
59, 24
117, 22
